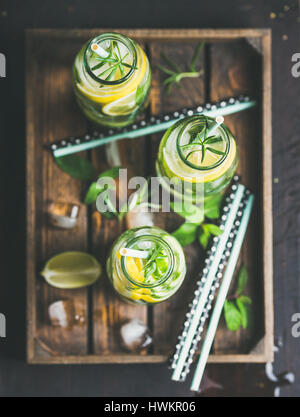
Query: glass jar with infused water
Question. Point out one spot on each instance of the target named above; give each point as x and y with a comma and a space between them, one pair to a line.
112, 78
197, 150
146, 265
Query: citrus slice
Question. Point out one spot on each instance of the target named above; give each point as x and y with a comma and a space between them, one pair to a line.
122, 106
173, 170
210, 157
70, 270
102, 99
105, 95
134, 267
145, 297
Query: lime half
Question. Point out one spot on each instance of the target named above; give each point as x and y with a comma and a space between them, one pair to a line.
71, 270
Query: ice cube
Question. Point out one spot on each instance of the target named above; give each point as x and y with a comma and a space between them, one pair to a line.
62, 313
135, 335
139, 217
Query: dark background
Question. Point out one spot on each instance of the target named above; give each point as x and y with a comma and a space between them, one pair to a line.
19, 379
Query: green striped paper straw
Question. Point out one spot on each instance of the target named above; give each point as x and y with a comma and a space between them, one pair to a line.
224, 288
150, 129
208, 283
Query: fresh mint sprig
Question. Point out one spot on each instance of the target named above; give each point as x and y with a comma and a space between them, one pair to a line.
195, 227
157, 263
175, 73
237, 308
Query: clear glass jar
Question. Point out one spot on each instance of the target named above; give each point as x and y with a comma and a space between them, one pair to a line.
152, 279
180, 157
111, 89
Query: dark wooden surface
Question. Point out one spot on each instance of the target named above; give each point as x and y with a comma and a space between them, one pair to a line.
18, 379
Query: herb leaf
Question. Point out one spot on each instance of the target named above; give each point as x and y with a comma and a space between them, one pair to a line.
191, 213
212, 207
203, 238
232, 315
243, 303
186, 233
215, 151
202, 140
171, 63
76, 166
196, 56
175, 73
212, 139
94, 189
114, 61
242, 280
92, 194
206, 231
212, 229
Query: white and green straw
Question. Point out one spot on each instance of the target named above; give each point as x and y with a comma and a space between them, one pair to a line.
148, 126
201, 302
224, 288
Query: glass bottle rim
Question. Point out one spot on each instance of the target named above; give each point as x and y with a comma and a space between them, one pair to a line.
171, 258
117, 37
195, 119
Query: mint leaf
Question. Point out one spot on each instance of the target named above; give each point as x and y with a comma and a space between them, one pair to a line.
95, 190
243, 304
77, 167
247, 304
212, 229
212, 207
111, 173
191, 213
112, 212
205, 233
232, 315
92, 194
245, 299
203, 238
243, 311
242, 280
186, 233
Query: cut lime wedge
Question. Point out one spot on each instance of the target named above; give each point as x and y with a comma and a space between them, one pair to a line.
71, 270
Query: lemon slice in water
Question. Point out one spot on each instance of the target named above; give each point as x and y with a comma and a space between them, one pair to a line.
213, 154
122, 106
70, 270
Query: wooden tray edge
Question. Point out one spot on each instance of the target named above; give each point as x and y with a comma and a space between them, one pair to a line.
161, 34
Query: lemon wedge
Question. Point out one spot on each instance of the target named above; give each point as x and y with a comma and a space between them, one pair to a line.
71, 270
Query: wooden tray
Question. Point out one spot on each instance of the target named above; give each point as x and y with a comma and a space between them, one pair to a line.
234, 62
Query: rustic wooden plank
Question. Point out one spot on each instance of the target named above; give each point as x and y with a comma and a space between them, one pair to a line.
236, 69
168, 316
54, 114
172, 35
109, 311
267, 196
129, 359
